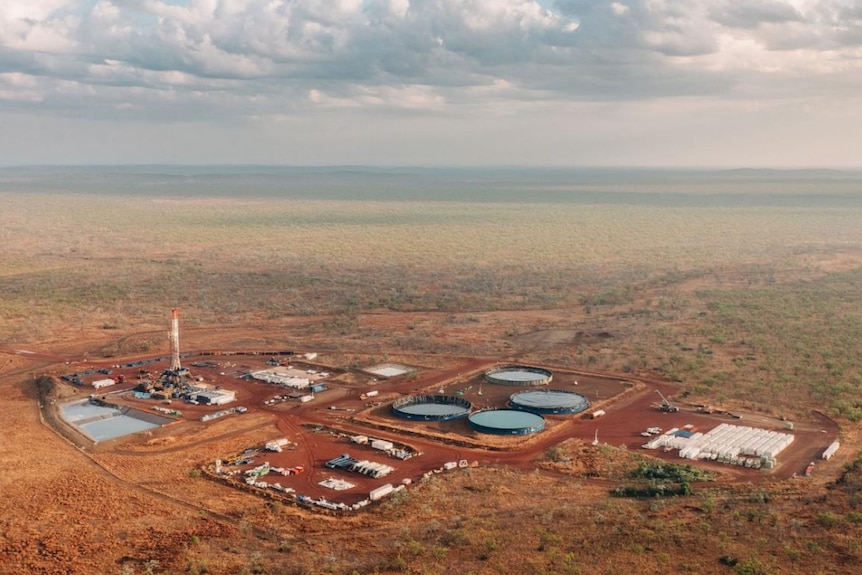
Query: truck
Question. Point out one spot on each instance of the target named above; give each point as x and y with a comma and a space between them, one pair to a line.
666, 406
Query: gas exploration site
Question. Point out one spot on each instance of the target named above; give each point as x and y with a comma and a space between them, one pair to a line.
294, 383
346, 437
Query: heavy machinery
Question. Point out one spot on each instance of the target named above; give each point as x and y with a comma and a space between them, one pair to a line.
666, 406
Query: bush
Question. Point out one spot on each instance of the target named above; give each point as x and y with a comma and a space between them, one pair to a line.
750, 567
669, 472
828, 519
556, 454
652, 490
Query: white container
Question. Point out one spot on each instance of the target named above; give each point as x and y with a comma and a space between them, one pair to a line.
380, 492
382, 445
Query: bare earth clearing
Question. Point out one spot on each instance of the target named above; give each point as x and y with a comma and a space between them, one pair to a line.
139, 501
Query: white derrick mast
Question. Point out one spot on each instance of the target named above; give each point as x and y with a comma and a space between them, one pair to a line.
174, 336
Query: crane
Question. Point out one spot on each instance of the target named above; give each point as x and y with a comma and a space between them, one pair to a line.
666, 406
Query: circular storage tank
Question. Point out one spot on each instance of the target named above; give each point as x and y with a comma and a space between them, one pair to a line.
549, 401
519, 375
506, 422
431, 408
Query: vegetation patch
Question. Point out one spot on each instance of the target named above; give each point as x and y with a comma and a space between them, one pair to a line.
673, 472
657, 479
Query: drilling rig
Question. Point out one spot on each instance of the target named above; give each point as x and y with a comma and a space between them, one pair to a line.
174, 337
666, 406
176, 370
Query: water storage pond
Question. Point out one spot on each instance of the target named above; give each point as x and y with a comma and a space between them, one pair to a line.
101, 422
389, 369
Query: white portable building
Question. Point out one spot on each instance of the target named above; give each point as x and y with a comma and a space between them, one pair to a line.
216, 397
277, 444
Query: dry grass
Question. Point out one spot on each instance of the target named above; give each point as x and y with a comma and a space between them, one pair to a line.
748, 305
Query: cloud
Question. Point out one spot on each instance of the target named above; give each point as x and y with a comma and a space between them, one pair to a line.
754, 14
212, 58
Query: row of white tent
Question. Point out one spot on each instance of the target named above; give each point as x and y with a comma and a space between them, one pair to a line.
670, 439
283, 380
725, 441
372, 469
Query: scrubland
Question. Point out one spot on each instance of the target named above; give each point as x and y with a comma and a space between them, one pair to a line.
746, 293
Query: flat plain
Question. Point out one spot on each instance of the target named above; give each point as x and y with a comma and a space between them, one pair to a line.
737, 289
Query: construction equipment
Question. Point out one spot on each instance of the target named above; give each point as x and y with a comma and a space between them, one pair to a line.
666, 406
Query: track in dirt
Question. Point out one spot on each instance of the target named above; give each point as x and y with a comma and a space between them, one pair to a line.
34, 355
191, 444
197, 508
146, 491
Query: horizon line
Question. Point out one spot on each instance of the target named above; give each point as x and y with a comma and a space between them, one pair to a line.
729, 168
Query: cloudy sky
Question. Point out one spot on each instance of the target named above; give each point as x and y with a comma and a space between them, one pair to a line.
432, 82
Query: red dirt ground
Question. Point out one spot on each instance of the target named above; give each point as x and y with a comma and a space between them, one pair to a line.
631, 406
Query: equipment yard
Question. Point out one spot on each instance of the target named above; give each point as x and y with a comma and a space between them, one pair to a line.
342, 450
351, 417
